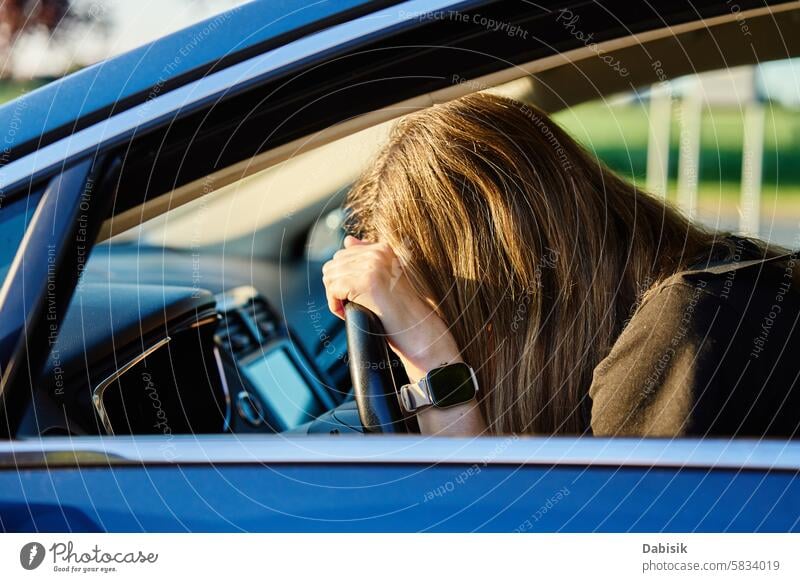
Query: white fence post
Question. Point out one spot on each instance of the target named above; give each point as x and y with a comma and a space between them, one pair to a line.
752, 156
660, 116
689, 151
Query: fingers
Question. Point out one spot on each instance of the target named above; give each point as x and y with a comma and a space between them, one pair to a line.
360, 279
336, 307
360, 256
337, 275
372, 252
335, 303
351, 241
338, 290
363, 272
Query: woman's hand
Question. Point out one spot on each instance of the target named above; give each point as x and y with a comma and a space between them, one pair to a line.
371, 275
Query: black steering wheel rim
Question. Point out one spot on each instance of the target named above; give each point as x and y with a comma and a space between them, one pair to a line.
375, 374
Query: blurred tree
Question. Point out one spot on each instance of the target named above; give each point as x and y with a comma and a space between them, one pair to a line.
51, 17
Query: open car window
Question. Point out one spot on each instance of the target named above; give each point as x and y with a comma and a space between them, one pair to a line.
283, 358
735, 129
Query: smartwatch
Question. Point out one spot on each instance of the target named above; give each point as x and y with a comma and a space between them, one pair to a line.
443, 387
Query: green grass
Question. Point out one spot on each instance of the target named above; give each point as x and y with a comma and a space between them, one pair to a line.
12, 89
617, 134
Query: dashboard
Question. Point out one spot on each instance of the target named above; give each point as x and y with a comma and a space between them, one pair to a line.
160, 341
275, 383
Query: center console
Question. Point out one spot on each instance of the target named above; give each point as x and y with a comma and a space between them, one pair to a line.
273, 384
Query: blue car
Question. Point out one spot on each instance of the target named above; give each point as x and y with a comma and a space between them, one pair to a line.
167, 358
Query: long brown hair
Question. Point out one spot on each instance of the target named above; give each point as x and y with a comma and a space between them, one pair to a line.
531, 250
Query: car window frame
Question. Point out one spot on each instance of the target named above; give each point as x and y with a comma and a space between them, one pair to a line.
43, 276
115, 135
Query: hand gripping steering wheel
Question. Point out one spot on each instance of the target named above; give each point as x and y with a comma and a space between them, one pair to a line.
375, 374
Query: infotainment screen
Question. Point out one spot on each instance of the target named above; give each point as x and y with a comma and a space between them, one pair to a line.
283, 389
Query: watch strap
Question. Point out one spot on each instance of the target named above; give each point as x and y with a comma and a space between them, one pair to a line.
414, 397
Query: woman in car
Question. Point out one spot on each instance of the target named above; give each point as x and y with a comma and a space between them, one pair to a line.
486, 236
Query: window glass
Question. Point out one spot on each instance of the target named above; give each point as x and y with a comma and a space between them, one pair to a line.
745, 124
15, 215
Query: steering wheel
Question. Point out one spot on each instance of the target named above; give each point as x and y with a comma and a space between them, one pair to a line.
374, 373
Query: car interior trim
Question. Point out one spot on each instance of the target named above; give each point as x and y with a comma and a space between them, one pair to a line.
224, 383
183, 194
688, 453
97, 393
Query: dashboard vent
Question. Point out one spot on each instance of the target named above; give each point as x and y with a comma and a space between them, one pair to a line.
263, 318
248, 321
233, 334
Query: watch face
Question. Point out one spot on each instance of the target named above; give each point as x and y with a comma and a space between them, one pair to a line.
451, 385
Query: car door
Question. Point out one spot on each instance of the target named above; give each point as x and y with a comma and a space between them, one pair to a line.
403, 484
231, 483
